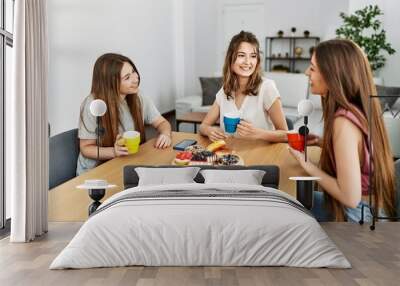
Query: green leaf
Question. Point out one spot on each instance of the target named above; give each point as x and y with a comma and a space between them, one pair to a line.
355, 27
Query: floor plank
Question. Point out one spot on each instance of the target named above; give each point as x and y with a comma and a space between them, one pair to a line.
374, 255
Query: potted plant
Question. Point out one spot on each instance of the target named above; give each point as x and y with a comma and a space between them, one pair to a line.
364, 28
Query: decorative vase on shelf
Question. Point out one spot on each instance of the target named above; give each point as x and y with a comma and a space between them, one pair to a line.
280, 33
293, 31
298, 51
306, 33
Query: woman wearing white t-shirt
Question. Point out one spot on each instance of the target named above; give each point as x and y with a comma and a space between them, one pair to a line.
247, 93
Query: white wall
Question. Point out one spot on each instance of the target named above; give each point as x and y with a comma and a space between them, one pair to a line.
189, 46
391, 8
391, 71
80, 31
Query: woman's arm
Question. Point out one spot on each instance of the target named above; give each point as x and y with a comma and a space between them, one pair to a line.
275, 112
164, 128
162, 125
207, 128
346, 188
278, 119
88, 148
277, 116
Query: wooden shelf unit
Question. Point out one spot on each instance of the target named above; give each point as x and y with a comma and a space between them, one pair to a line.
291, 58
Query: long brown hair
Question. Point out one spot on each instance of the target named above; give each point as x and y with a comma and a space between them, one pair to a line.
347, 74
231, 81
106, 85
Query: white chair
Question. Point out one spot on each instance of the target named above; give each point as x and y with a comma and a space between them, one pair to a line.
392, 124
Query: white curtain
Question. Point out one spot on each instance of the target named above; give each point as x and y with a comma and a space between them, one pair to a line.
27, 142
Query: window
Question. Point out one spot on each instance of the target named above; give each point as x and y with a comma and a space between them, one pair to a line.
6, 44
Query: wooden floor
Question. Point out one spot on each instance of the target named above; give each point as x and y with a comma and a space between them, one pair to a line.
375, 257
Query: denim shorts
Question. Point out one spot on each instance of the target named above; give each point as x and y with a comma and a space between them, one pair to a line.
323, 214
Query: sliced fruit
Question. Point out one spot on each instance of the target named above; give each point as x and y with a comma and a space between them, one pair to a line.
216, 145
184, 155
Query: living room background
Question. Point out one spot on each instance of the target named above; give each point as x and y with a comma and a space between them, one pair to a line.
173, 42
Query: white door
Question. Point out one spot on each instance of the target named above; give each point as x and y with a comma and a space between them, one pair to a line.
238, 17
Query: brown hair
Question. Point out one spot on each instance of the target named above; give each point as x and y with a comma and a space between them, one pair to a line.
347, 74
231, 82
106, 86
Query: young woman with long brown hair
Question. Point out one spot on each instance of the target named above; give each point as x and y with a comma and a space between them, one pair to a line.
116, 81
247, 93
341, 74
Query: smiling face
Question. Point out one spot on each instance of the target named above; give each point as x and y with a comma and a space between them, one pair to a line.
317, 82
246, 60
129, 81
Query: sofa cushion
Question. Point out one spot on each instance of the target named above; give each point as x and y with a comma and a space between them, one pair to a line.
185, 104
292, 87
387, 102
210, 86
396, 105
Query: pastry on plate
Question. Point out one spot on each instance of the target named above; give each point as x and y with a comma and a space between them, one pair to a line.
216, 145
229, 160
195, 148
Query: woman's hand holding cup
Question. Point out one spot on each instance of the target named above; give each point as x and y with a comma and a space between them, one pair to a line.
247, 130
314, 140
119, 147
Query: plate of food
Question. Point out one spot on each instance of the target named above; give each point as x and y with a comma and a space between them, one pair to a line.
214, 154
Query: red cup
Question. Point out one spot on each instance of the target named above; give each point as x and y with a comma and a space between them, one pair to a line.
296, 141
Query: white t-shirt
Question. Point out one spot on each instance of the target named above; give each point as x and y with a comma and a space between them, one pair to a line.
254, 107
88, 131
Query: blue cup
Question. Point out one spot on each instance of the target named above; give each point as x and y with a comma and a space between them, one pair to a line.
231, 121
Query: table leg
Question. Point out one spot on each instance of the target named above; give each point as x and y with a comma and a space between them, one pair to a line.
304, 193
177, 125
195, 128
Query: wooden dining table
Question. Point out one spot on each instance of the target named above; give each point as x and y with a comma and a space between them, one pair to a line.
67, 203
